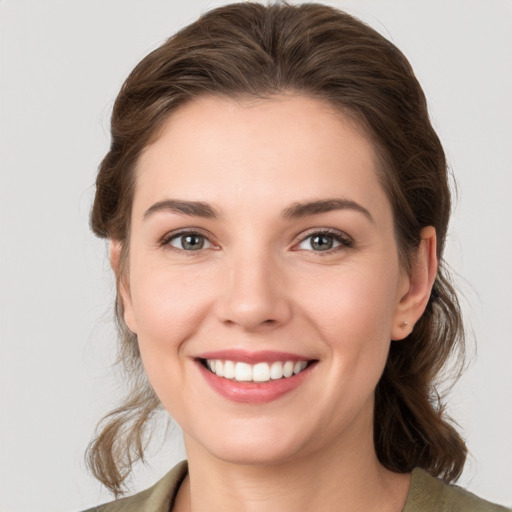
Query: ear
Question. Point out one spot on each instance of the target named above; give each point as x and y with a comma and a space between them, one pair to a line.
123, 285
420, 280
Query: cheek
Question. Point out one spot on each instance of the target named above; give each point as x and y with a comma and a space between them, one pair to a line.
353, 312
351, 301
168, 305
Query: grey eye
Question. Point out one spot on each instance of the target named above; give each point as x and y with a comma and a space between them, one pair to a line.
190, 242
319, 242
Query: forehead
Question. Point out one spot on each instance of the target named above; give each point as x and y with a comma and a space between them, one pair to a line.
237, 152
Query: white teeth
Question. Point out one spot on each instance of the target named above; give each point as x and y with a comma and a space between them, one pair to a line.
229, 369
288, 369
219, 368
260, 372
243, 372
276, 370
299, 366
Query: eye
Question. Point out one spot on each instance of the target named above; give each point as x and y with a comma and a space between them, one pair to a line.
324, 241
189, 242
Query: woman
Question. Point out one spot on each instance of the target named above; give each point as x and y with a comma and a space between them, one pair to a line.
276, 202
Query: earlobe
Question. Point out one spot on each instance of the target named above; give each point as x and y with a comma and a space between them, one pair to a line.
421, 278
122, 283
114, 252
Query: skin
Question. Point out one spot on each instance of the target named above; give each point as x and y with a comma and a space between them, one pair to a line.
259, 284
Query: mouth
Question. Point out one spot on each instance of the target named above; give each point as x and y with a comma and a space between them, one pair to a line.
254, 377
239, 371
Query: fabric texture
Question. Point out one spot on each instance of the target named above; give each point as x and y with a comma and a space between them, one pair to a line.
427, 494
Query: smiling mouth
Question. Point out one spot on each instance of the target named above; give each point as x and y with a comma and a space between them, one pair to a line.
260, 372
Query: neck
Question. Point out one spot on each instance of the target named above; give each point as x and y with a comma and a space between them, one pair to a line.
346, 477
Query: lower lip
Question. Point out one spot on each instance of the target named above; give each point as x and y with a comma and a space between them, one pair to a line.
253, 392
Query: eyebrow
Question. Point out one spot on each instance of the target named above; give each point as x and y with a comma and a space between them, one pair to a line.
294, 211
194, 208
297, 210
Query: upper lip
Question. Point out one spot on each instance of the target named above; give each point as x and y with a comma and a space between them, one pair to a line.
245, 356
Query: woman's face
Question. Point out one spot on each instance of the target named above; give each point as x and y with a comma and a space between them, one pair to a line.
262, 243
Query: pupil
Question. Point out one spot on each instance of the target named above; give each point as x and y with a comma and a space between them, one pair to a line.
193, 242
322, 242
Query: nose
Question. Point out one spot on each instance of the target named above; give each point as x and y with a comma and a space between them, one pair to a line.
254, 295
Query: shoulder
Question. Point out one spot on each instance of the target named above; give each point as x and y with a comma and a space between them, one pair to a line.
428, 494
158, 498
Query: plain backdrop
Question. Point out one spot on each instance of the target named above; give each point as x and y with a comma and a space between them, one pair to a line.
62, 63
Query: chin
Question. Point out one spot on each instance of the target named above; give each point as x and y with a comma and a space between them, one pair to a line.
255, 454
258, 445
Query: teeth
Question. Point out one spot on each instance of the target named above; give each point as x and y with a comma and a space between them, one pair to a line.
276, 370
288, 369
260, 372
243, 372
229, 370
219, 368
299, 366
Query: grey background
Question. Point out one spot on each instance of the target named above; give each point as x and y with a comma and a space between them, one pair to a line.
62, 63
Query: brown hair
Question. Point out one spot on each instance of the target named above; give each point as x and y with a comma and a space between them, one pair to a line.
249, 49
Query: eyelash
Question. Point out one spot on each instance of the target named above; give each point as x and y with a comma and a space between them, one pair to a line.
167, 239
344, 240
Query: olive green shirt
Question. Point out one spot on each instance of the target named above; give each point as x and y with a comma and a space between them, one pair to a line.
427, 494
